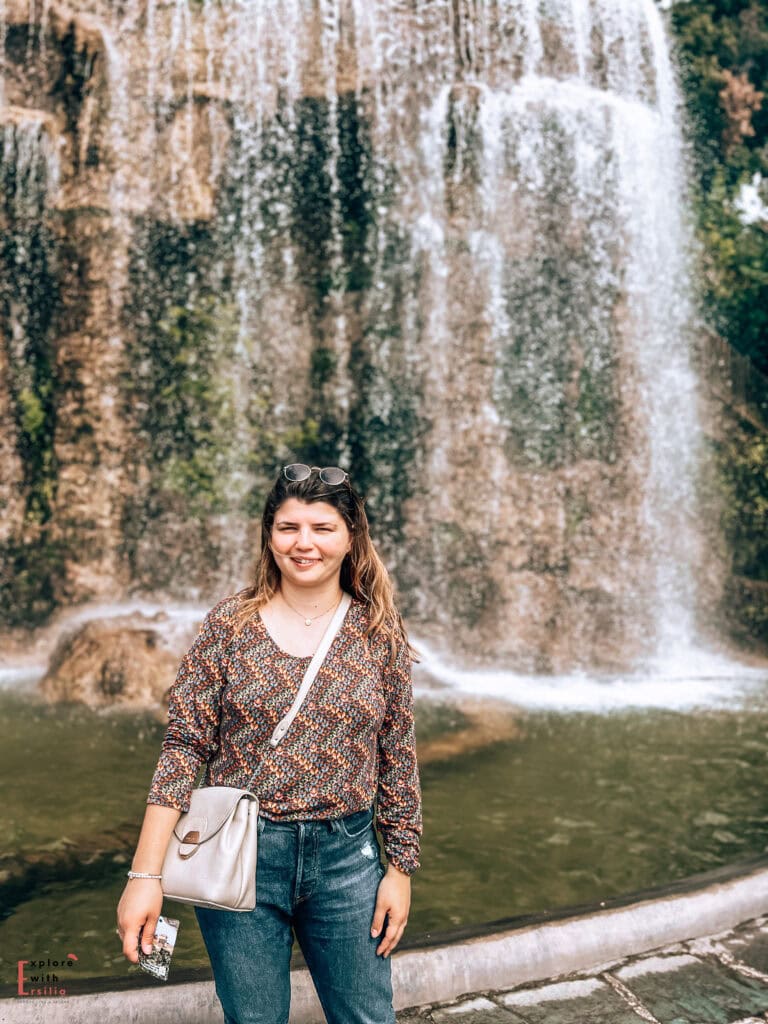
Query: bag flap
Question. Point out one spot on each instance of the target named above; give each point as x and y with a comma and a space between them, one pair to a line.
209, 808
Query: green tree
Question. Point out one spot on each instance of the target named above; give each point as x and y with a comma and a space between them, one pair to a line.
722, 52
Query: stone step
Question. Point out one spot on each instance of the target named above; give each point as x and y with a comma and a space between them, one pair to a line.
720, 979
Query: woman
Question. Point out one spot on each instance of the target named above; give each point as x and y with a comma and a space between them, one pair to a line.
319, 871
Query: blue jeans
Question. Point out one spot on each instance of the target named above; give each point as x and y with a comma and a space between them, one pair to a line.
320, 879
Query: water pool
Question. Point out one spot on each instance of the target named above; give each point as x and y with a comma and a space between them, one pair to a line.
552, 810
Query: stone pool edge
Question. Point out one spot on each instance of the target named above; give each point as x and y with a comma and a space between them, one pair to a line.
446, 970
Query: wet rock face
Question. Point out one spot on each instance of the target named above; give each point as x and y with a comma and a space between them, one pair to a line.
405, 241
111, 663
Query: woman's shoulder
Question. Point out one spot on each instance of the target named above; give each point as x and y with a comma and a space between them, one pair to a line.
359, 614
222, 617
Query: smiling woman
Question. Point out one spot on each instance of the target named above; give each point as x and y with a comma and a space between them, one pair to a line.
309, 544
310, 533
347, 766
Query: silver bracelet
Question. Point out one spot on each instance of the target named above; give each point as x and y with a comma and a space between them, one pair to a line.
141, 874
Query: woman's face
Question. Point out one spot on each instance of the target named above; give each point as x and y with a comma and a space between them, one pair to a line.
314, 533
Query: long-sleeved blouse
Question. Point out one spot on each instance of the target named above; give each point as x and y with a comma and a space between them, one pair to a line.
352, 741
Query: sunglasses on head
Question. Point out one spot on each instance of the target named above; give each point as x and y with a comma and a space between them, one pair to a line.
297, 472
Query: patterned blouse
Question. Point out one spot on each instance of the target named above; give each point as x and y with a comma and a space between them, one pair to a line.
352, 740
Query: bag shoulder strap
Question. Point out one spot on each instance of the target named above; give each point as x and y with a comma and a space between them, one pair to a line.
318, 657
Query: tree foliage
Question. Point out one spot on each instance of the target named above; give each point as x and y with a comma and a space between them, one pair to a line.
722, 52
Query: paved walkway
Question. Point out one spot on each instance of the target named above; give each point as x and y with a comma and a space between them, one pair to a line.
715, 980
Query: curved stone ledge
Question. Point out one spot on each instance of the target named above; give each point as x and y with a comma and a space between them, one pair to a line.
440, 968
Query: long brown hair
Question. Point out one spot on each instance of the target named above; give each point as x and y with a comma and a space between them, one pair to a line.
363, 574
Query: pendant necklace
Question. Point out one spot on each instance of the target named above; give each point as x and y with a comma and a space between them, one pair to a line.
307, 620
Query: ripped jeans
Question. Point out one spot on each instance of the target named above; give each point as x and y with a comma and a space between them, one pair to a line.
318, 879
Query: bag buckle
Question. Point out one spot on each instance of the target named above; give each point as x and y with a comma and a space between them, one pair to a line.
189, 844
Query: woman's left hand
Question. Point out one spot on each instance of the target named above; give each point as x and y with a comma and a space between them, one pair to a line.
393, 899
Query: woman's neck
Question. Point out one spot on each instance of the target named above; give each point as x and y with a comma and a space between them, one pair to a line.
310, 600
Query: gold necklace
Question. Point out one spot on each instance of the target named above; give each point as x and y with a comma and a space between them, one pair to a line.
308, 621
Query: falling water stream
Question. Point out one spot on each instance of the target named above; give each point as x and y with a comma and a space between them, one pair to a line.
446, 239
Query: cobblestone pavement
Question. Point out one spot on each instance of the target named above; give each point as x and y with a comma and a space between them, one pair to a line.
721, 979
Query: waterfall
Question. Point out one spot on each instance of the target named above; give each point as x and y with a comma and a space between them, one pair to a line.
439, 241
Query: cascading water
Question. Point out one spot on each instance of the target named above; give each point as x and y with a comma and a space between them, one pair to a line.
439, 241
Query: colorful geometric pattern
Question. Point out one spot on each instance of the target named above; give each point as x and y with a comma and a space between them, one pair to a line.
353, 739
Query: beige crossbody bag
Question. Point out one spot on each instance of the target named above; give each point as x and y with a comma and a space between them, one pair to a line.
211, 855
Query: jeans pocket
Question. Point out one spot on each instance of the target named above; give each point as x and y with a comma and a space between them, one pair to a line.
357, 824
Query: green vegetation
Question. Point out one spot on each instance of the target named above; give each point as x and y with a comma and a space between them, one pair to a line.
32, 559
187, 398
722, 52
29, 301
33, 573
179, 391
741, 466
734, 480
332, 256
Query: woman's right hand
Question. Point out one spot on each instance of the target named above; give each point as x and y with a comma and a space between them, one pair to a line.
140, 904
142, 899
